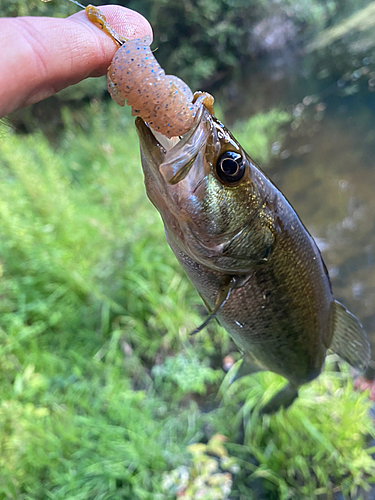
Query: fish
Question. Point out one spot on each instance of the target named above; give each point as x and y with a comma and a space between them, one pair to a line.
239, 240
249, 256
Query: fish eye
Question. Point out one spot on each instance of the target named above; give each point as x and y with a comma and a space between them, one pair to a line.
230, 167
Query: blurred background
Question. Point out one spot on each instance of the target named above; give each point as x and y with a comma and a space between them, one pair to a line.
103, 394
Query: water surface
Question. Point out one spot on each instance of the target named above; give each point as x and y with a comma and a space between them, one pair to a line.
326, 168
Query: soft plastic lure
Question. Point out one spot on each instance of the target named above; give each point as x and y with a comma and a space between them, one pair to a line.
163, 101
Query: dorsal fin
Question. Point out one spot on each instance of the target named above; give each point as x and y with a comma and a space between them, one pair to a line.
349, 339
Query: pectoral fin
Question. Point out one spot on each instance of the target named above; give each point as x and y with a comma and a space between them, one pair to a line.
221, 299
349, 339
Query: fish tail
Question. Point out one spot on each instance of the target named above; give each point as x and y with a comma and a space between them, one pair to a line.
349, 339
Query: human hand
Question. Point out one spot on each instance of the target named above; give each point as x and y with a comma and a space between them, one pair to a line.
43, 55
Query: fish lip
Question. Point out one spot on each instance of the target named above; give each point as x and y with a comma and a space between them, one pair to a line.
153, 147
149, 143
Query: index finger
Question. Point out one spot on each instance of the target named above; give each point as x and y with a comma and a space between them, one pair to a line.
45, 55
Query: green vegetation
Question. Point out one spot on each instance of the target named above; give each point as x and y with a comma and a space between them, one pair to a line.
212, 39
54, 8
346, 49
361, 21
254, 134
103, 393
204, 41
314, 447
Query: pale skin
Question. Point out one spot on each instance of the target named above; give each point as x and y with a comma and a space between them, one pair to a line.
45, 55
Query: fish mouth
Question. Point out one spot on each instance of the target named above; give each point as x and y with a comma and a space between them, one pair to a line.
176, 172
158, 149
153, 142
150, 146
175, 169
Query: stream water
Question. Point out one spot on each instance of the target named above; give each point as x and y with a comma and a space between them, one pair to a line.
326, 168
329, 178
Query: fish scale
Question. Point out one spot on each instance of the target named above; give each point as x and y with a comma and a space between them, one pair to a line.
266, 331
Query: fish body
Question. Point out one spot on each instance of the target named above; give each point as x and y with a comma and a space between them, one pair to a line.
239, 240
248, 255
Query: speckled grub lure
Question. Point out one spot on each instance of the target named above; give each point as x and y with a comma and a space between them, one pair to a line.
163, 101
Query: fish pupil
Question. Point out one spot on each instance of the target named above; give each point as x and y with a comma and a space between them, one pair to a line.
230, 167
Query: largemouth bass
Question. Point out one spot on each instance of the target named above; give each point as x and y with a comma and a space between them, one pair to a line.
248, 254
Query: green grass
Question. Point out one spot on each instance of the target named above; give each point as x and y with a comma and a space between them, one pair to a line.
315, 447
103, 392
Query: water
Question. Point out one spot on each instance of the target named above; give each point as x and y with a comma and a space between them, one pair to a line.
329, 178
326, 168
